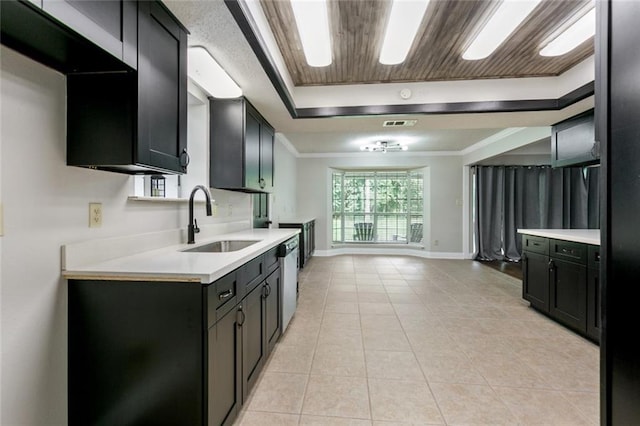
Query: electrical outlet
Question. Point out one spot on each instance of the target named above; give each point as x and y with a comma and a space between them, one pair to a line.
95, 215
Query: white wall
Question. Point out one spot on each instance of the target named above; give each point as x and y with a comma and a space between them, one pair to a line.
46, 206
283, 198
443, 193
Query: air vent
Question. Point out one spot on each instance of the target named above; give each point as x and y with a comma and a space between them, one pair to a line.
399, 123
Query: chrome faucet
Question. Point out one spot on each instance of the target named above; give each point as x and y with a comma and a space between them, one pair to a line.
193, 229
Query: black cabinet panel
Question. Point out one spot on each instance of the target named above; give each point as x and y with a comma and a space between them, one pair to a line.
621, 246
134, 122
253, 344
272, 310
110, 25
29, 30
162, 82
252, 151
594, 311
573, 141
241, 147
561, 285
535, 280
307, 238
224, 392
568, 301
130, 362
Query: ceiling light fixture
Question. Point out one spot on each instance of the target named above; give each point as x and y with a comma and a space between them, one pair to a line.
209, 75
384, 147
509, 15
312, 20
579, 32
404, 21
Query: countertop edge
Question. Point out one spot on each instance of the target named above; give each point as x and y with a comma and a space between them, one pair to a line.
573, 235
102, 272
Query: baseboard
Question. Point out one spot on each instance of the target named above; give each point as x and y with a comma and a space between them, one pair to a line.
390, 252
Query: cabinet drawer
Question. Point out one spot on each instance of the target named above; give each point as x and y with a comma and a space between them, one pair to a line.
570, 251
221, 297
250, 275
535, 244
271, 260
593, 253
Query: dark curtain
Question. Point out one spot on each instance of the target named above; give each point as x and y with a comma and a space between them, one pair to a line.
536, 197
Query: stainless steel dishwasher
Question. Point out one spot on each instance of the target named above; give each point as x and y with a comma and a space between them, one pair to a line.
288, 254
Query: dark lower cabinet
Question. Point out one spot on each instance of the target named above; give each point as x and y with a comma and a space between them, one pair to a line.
561, 279
156, 353
535, 280
568, 288
225, 395
136, 353
253, 345
307, 238
272, 310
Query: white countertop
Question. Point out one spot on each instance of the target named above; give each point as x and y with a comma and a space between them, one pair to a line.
172, 264
587, 236
301, 219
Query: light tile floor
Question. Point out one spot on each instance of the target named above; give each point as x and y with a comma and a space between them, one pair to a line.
391, 340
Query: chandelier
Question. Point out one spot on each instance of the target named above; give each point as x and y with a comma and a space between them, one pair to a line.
384, 147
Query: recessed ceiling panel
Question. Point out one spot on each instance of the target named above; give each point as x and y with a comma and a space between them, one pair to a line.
357, 28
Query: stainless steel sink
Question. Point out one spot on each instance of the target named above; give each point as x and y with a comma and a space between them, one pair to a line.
222, 246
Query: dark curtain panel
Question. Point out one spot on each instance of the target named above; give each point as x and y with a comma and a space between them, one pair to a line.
508, 198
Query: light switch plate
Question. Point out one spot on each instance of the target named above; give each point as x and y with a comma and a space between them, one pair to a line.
95, 215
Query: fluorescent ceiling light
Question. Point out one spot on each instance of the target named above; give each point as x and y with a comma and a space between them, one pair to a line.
209, 75
404, 21
499, 27
579, 32
312, 20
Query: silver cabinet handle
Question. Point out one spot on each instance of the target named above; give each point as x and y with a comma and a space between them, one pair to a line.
225, 295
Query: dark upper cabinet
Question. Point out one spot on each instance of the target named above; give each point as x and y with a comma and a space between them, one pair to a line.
110, 25
134, 122
241, 147
573, 142
73, 36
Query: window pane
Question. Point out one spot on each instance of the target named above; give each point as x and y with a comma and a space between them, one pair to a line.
383, 206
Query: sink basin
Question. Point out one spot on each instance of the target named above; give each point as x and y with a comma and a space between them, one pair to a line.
222, 246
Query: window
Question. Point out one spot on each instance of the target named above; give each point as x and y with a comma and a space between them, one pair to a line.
377, 206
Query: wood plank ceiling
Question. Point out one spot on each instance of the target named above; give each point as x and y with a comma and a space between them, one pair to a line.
357, 29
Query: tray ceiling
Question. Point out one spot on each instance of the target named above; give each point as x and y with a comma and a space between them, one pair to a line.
357, 29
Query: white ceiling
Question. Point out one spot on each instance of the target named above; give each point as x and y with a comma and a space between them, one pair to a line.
212, 26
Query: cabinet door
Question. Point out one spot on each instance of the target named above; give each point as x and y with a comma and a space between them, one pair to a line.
535, 280
224, 390
568, 301
312, 237
593, 304
266, 157
252, 151
271, 295
253, 346
111, 25
162, 86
